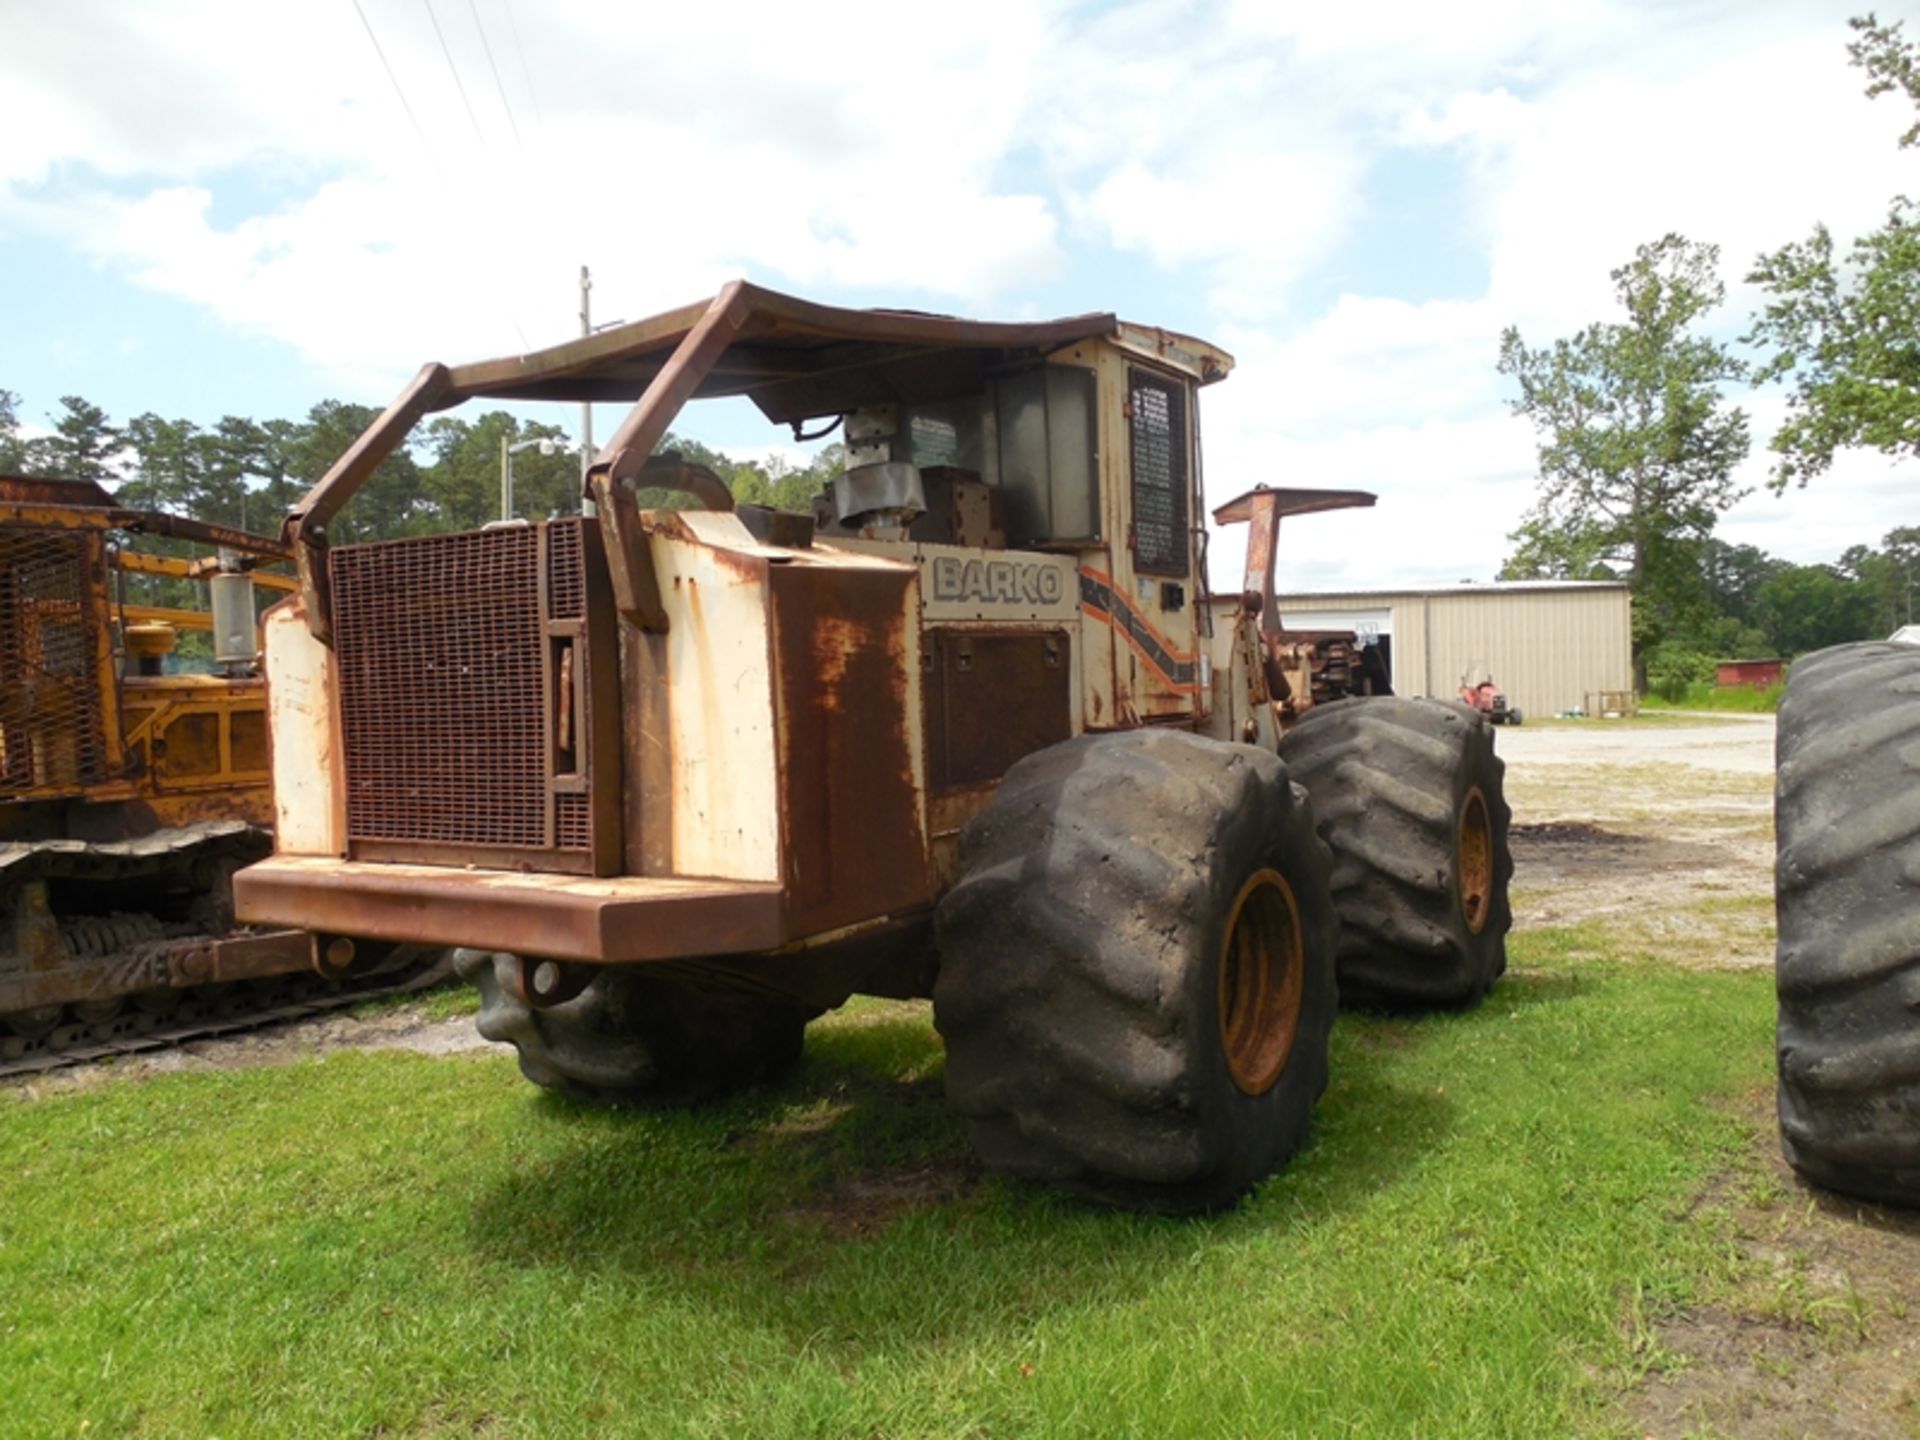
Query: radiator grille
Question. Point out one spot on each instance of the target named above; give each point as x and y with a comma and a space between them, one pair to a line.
440, 647
566, 571
571, 822
51, 735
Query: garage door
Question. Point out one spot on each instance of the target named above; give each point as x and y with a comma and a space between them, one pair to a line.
1373, 627
1367, 624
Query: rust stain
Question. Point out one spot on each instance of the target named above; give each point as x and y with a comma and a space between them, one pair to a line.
852, 832
836, 639
992, 695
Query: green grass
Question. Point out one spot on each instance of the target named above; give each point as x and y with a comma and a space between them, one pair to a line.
1494, 1213
450, 998
1735, 699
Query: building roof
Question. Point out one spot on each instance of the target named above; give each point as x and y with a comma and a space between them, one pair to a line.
1487, 587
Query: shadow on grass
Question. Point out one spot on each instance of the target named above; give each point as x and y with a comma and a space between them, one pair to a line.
847, 1200
1372, 1028
1854, 1210
1522, 989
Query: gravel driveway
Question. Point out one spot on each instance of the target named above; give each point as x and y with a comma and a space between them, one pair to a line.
1660, 830
1742, 744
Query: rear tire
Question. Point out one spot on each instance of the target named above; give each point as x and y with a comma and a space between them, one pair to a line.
632, 1039
1410, 797
1847, 899
1136, 978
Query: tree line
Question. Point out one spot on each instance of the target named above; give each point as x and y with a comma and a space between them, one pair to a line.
249, 473
1638, 443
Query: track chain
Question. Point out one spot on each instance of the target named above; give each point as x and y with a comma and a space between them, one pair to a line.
216, 1011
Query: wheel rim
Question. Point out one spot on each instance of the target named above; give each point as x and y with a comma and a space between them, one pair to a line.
157, 1002
97, 1012
35, 1024
1475, 848
1262, 981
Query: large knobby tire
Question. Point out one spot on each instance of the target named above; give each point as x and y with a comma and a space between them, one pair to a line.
632, 1039
1410, 797
1847, 897
1136, 971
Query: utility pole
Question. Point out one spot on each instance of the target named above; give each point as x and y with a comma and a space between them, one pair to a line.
506, 479
586, 406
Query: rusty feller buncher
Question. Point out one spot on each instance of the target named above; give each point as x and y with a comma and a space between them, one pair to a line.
678, 779
129, 792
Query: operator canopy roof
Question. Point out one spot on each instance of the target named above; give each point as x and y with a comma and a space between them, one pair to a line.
796, 360
48, 490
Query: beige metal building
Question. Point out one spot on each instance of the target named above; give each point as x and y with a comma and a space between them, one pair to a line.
1551, 645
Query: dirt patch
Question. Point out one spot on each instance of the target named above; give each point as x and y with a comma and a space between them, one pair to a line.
402, 1028
1607, 870
1698, 897
862, 1206
1565, 851
1662, 834
1821, 1335
860, 1184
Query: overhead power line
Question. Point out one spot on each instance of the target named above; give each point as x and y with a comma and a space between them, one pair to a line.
432, 159
513, 27
454, 70
512, 124
399, 94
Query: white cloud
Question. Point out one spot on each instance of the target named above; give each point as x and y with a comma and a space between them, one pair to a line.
1275, 211
672, 152
254, 160
1449, 491
1415, 37
132, 89
1745, 150
1369, 359
1740, 127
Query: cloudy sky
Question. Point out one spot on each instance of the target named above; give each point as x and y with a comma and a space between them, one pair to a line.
211, 207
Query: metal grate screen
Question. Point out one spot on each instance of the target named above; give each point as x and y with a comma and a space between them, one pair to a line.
566, 570
440, 646
1158, 410
571, 822
51, 735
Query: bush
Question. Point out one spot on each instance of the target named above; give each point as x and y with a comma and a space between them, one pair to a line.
1738, 699
1672, 671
